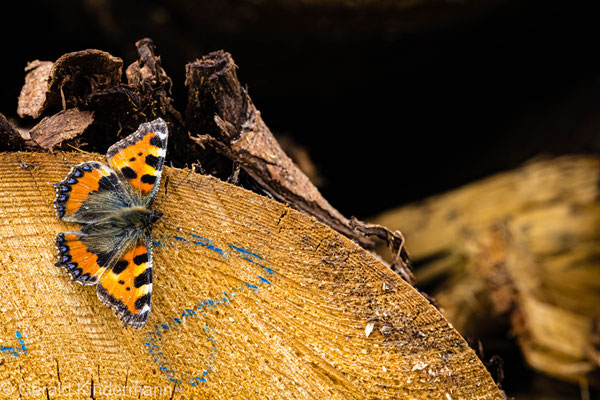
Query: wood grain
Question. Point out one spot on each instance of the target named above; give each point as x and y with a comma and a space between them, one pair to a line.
251, 300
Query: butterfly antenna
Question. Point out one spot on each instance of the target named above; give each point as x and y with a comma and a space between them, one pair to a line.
167, 192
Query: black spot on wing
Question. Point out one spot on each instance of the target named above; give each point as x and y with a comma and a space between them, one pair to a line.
143, 278
140, 259
146, 178
128, 173
142, 301
120, 266
153, 161
156, 141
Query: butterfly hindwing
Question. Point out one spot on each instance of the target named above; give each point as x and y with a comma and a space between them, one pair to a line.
139, 159
88, 193
87, 256
82, 264
127, 287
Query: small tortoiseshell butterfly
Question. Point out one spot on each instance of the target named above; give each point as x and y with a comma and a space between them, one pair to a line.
113, 250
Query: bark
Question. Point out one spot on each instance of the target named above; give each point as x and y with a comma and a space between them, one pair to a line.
10, 139
32, 100
63, 126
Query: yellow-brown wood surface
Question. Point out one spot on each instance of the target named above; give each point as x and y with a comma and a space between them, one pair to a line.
251, 300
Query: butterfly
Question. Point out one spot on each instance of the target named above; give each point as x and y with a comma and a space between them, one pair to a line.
113, 249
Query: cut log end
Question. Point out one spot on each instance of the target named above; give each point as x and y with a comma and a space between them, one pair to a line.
251, 298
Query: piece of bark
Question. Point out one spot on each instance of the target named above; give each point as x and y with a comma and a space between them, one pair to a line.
76, 75
90, 81
32, 99
251, 299
10, 139
147, 76
395, 242
147, 70
520, 247
61, 128
220, 113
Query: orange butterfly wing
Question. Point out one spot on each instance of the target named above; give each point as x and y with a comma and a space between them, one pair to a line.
88, 193
139, 159
83, 265
127, 287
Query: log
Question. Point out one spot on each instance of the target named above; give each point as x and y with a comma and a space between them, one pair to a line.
519, 247
252, 299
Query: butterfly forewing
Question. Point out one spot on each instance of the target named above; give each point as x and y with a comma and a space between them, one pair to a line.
139, 158
90, 192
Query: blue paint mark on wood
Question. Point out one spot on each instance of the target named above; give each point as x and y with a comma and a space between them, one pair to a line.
252, 257
269, 270
201, 309
9, 350
242, 250
264, 280
206, 242
15, 350
157, 336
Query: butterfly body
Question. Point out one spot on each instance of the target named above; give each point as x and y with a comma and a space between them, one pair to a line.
126, 219
113, 249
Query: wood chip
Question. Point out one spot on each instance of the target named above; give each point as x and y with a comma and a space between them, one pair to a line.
52, 131
32, 100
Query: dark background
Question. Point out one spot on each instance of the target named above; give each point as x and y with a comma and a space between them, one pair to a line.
394, 103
